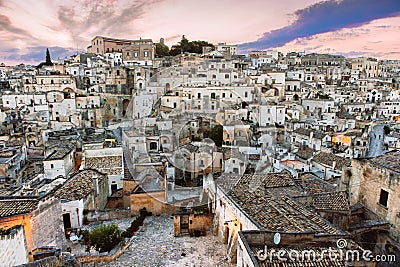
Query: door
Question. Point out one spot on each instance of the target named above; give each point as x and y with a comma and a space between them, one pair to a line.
67, 220
184, 221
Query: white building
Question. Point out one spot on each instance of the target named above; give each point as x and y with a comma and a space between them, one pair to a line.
59, 163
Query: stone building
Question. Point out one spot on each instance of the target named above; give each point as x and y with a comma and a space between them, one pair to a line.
108, 160
102, 45
87, 189
39, 217
59, 162
255, 202
134, 52
269, 248
375, 184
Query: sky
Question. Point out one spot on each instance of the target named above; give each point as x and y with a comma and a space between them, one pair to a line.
348, 27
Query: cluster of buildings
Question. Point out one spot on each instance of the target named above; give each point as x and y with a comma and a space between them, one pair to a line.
304, 145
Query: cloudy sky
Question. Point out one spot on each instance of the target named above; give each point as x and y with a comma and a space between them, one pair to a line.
348, 27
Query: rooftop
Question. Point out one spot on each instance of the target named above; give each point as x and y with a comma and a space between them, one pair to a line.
78, 186
331, 201
59, 153
312, 184
328, 159
388, 161
307, 132
260, 198
16, 206
305, 152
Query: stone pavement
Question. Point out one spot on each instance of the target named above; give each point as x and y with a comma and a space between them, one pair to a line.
154, 245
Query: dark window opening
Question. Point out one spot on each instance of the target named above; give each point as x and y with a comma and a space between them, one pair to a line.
383, 199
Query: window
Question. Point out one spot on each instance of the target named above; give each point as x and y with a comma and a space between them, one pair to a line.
212, 95
118, 73
153, 145
223, 94
198, 95
245, 94
52, 166
383, 198
128, 54
135, 54
146, 53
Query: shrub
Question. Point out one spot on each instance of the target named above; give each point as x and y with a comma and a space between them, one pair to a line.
105, 237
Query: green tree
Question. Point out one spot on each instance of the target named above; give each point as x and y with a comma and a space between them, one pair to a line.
48, 59
184, 44
189, 46
105, 237
162, 50
216, 134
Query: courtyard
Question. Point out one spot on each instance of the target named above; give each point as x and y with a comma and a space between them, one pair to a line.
154, 245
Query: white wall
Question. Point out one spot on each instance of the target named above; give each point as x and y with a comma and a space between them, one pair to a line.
13, 249
75, 209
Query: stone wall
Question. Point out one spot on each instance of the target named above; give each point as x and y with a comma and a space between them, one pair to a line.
106, 256
47, 262
47, 225
200, 222
115, 202
365, 182
154, 202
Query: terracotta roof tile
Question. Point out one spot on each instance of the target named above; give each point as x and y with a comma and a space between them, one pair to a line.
10, 207
260, 198
333, 201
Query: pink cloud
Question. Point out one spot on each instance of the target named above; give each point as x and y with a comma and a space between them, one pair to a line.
379, 38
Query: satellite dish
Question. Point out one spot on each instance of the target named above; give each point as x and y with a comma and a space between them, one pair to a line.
277, 238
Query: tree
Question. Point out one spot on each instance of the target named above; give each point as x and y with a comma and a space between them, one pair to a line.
162, 50
189, 46
105, 237
216, 134
48, 59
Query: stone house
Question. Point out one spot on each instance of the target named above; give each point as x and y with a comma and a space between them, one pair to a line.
40, 218
317, 140
59, 162
329, 166
107, 160
85, 190
255, 202
374, 183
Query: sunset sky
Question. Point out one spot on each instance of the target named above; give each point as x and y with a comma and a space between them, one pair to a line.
348, 27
